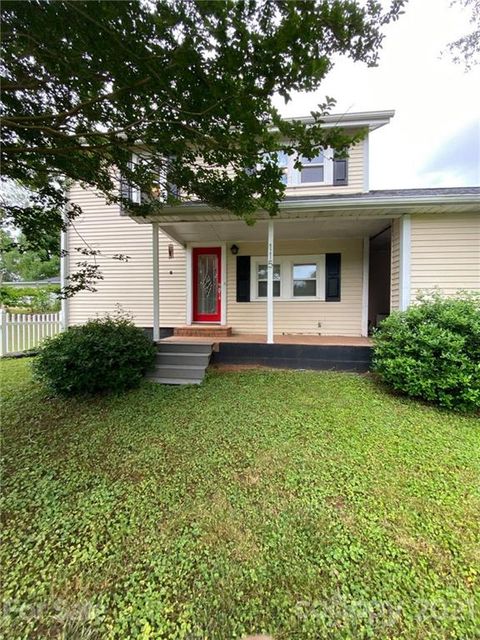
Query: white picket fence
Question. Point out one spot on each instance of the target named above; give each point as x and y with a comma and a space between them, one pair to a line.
23, 331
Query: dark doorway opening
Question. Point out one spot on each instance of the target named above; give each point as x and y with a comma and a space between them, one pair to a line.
379, 278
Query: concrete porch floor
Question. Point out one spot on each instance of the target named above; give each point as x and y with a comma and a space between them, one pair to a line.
344, 341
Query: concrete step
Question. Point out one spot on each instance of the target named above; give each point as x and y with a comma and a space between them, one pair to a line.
175, 381
178, 371
180, 357
183, 347
181, 362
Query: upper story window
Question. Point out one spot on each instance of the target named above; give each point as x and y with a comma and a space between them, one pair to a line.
283, 162
319, 170
313, 170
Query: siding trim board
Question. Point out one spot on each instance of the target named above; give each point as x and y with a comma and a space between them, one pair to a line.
405, 260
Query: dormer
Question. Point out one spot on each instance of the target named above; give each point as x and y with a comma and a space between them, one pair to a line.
327, 175
323, 175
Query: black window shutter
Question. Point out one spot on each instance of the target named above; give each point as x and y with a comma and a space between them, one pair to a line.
340, 171
125, 189
332, 277
243, 278
125, 193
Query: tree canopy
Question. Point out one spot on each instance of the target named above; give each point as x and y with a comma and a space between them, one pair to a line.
18, 262
466, 49
187, 84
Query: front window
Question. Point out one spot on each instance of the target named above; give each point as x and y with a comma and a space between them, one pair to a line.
299, 277
313, 170
304, 280
262, 274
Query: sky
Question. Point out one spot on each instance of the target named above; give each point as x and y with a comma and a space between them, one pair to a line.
434, 138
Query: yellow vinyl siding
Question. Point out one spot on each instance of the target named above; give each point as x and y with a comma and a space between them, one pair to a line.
128, 284
342, 318
445, 252
395, 267
356, 173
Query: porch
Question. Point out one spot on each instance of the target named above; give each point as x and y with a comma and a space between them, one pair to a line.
189, 356
310, 281
291, 293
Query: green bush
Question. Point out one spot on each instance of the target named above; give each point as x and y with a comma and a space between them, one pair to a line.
30, 299
432, 351
108, 354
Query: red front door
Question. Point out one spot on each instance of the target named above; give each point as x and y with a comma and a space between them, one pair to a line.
207, 270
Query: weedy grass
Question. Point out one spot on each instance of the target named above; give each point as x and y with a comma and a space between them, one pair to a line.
300, 504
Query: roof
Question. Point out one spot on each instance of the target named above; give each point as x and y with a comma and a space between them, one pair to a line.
361, 214
396, 194
371, 119
378, 203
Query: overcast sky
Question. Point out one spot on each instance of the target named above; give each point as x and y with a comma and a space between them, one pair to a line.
434, 138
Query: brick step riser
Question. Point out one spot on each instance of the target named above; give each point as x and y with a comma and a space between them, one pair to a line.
207, 332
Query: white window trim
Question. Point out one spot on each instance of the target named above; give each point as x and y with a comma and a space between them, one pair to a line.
294, 176
255, 262
135, 194
286, 277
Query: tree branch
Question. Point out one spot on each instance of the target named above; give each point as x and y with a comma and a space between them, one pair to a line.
67, 114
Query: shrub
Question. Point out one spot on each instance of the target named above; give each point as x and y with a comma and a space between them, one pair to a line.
432, 351
107, 354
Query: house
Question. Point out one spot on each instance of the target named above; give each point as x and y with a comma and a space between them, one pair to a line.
303, 289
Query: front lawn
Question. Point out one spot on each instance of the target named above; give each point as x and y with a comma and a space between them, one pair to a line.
300, 504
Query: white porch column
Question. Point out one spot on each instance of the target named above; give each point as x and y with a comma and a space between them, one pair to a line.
156, 283
366, 271
64, 269
270, 254
405, 251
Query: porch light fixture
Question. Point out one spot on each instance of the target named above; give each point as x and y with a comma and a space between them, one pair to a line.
234, 249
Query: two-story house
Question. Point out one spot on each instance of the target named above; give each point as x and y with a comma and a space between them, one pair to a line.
302, 289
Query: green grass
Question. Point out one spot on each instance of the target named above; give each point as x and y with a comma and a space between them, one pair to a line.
300, 504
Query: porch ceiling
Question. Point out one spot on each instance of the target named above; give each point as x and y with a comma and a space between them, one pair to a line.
298, 229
